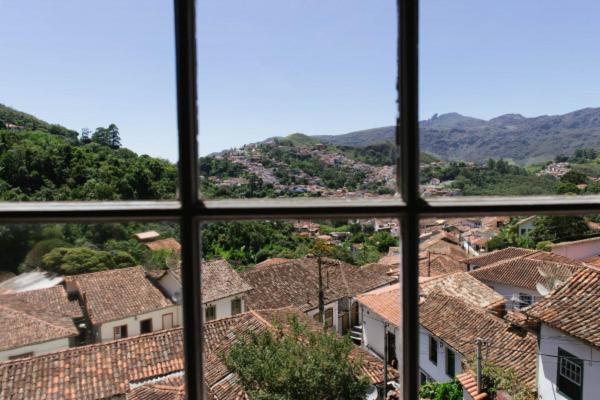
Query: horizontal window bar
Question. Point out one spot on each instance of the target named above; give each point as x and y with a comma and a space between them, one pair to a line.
211, 210
501, 205
92, 211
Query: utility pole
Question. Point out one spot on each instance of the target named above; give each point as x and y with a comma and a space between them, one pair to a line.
385, 358
478, 342
428, 263
321, 294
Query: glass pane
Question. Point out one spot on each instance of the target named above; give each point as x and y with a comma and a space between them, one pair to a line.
90, 298
88, 101
297, 99
513, 284
333, 283
502, 111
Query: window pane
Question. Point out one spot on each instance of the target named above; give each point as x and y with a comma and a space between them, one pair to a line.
297, 99
81, 296
329, 281
88, 101
502, 111
517, 292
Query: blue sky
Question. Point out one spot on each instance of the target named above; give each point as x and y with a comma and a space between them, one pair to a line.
271, 67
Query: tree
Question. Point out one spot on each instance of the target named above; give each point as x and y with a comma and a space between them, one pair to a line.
441, 390
100, 136
573, 177
297, 363
85, 136
77, 260
558, 228
113, 136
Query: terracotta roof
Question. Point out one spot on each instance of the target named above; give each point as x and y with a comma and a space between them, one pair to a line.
498, 255
563, 244
385, 302
573, 308
272, 261
382, 269
171, 388
167, 244
438, 264
145, 236
36, 316
469, 383
115, 368
465, 287
548, 256
295, 283
594, 261
219, 280
458, 324
524, 272
118, 293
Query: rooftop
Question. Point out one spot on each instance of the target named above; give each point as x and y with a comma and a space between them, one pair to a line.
463, 286
164, 244
573, 308
118, 293
498, 255
37, 316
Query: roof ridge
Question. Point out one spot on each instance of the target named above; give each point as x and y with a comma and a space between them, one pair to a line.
34, 317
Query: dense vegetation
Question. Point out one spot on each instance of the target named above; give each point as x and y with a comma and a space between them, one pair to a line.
297, 363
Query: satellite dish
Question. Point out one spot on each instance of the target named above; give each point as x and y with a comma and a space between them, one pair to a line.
543, 290
372, 393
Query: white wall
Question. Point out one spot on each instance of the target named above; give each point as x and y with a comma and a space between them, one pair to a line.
508, 292
550, 340
104, 332
436, 372
224, 306
525, 228
334, 306
37, 349
578, 251
373, 333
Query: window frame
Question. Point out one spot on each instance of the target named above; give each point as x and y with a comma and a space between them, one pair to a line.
213, 311
433, 355
565, 356
190, 211
239, 301
121, 328
450, 365
146, 320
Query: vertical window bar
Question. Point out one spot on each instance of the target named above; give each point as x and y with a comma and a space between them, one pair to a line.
185, 38
407, 136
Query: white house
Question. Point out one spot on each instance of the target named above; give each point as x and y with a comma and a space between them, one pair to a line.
223, 290
568, 362
519, 280
37, 322
121, 303
525, 226
448, 328
578, 249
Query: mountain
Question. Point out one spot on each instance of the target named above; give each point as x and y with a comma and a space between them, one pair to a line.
511, 136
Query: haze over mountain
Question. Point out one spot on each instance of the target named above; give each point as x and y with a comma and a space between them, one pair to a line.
511, 136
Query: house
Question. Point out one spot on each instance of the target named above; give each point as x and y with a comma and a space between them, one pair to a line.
38, 322
569, 339
432, 264
140, 367
525, 226
509, 253
448, 327
147, 236
223, 290
296, 283
578, 249
121, 303
164, 244
522, 281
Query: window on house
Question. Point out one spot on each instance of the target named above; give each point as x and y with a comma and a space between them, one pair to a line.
525, 300
120, 332
424, 377
146, 326
167, 321
433, 350
210, 313
450, 362
569, 375
329, 317
23, 355
236, 306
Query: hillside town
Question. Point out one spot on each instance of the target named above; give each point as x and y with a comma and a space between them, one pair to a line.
117, 333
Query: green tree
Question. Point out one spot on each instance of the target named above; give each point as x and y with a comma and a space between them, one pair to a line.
558, 228
441, 390
77, 260
33, 259
297, 363
574, 177
113, 136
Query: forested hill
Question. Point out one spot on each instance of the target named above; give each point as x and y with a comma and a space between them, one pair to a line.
511, 136
42, 161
